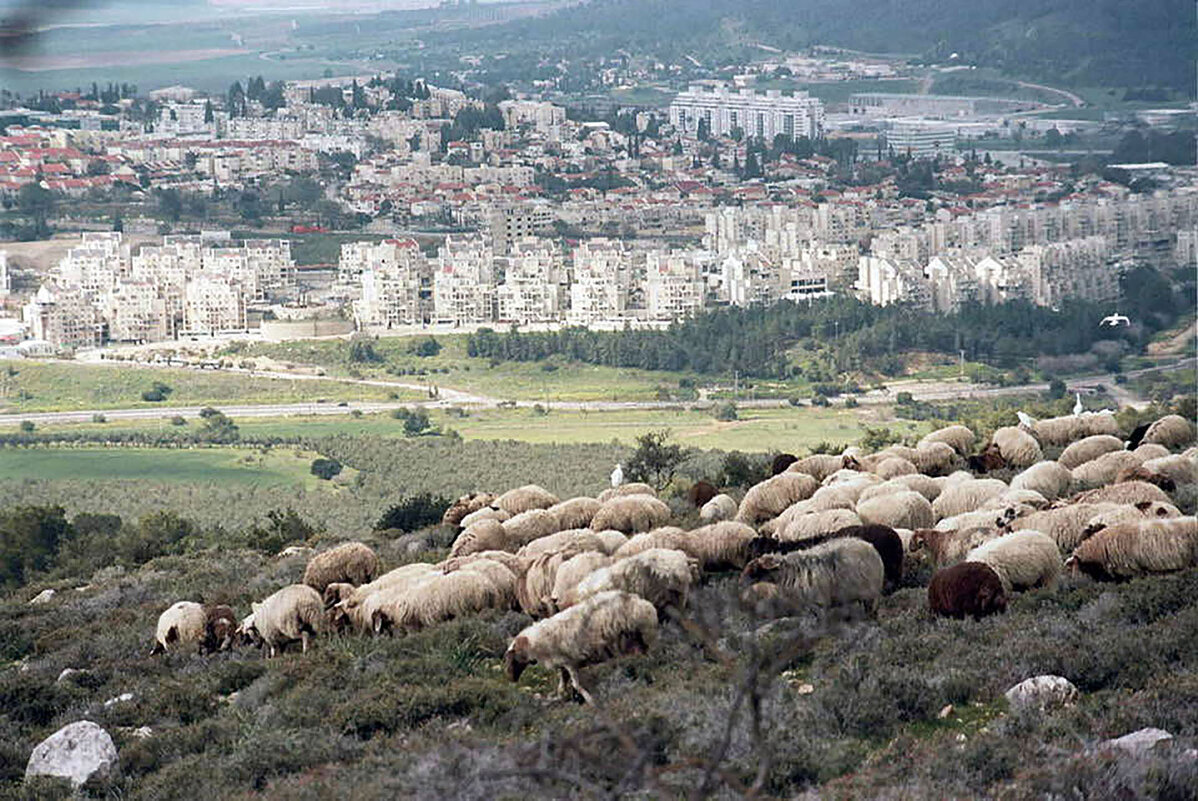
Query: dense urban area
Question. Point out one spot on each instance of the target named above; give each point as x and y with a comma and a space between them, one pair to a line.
623, 398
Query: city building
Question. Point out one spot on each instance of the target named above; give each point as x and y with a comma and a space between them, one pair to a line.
754, 114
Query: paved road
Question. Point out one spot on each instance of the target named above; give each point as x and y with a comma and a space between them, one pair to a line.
926, 391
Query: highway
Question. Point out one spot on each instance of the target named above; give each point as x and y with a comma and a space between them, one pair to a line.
920, 390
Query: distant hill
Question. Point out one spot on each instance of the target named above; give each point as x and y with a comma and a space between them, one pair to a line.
1149, 43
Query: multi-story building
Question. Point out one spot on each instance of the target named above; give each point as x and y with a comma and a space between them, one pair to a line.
137, 312
510, 223
212, 305
544, 118
754, 114
5, 275
749, 277
532, 274
463, 285
600, 282
64, 317
922, 139
393, 280
674, 287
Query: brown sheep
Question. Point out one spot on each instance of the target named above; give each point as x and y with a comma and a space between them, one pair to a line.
464, 506
350, 563
968, 588
700, 493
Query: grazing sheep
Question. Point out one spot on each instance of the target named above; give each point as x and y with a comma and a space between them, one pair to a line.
1088, 449
721, 507
661, 576
1022, 559
958, 437
575, 513
484, 535
700, 493
220, 628
1175, 467
885, 540
1018, 448
576, 540
989, 459
844, 494
1066, 525
476, 587
772, 526
349, 563
295, 612
838, 574
570, 573
528, 526
781, 462
522, 499
966, 496
1150, 450
1172, 431
632, 488
926, 486
821, 465
534, 586
600, 628
1049, 479
935, 458
946, 548
905, 509
353, 609
631, 514
1117, 515
894, 466
1148, 476
1126, 492
719, 546
509, 560
467, 504
968, 588
1017, 497
1059, 430
771, 497
991, 515
1103, 470
182, 623
486, 513
813, 525
1135, 549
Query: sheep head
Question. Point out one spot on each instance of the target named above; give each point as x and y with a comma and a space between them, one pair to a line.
761, 568
850, 462
517, 658
919, 540
220, 629
991, 599
335, 593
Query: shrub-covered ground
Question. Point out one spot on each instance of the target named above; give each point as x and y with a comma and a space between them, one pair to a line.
714, 709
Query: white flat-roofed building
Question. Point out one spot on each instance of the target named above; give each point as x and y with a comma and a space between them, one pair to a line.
922, 139
530, 291
213, 305
674, 286
463, 285
763, 115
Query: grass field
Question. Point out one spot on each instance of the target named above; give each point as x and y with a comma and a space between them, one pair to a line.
279, 467
760, 430
61, 386
506, 380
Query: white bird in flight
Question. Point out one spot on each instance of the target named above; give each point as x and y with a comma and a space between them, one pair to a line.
617, 476
1115, 320
1077, 407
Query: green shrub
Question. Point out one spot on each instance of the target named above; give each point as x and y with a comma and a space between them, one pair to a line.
413, 513
725, 412
325, 469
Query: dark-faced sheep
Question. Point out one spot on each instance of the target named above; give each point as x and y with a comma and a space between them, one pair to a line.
700, 493
781, 462
1172, 431
1135, 549
944, 548
603, 627
466, 505
966, 589
349, 563
181, 624
884, 540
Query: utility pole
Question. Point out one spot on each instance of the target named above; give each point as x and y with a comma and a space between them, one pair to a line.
961, 363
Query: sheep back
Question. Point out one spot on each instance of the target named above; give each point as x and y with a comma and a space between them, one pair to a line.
1022, 559
968, 588
349, 563
522, 499
631, 514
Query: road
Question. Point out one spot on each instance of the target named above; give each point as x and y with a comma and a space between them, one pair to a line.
1074, 99
920, 390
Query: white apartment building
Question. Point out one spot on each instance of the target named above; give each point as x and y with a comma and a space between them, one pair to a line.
256, 128
544, 118
64, 317
600, 282
95, 265
213, 306
749, 277
5, 276
530, 292
463, 285
184, 119
137, 312
756, 115
389, 277
674, 286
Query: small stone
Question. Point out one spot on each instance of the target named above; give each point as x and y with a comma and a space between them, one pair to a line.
960, 738
142, 732
79, 752
944, 713
120, 699
66, 674
43, 597
1139, 742
805, 689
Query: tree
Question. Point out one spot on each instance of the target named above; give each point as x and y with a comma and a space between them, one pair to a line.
361, 351
170, 204
30, 537
1056, 389
413, 513
281, 529
217, 428
416, 423
655, 459
325, 469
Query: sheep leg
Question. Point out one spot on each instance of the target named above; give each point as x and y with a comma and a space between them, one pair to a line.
304, 640
563, 682
271, 652
577, 684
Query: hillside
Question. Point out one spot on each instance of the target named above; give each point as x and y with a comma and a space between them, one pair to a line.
1078, 42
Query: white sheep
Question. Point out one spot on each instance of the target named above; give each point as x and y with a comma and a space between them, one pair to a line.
605, 625
522, 499
479, 585
1085, 450
575, 513
1172, 431
1022, 559
721, 507
183, 622
575, 540
485, 513
482, 535
948, 547
905, 509
570, 573
819, 465
1136, 549
350, 563
631, 514
528, 526
661, 576
631, 488
966, 496
1048, 478
958, 437
295, 612
1104, 469
935, 458
352, 607
814, 525
1017, 447
771, 497
1129, 492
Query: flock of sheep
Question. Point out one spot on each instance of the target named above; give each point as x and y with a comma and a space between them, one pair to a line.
826, 533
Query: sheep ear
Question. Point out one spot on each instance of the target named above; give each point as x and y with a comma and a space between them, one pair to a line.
519, 645
254, 606
1143, 505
